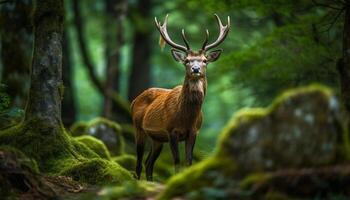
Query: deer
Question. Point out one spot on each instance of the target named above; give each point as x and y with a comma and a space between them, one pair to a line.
174, 115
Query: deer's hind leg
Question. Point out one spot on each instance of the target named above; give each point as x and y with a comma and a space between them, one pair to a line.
140, 148
151, 159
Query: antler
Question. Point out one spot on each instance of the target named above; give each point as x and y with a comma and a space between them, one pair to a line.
164, 33
222, 35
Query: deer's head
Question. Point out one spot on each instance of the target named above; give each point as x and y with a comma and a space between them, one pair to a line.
194, 61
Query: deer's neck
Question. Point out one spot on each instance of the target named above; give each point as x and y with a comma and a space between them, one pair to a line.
193, 93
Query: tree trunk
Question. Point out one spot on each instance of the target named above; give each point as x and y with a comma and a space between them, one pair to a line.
344, 63
114, 37
46, 89
68, 103
16, 43
122, 105
140, 77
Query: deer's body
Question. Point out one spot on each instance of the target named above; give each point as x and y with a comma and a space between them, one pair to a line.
157, 112
174, 115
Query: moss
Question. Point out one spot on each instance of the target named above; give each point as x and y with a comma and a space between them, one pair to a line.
58, 153
253, 179
130, 189
212, 172
272, 195
219, 176
95, 144
313, 88
244, 116
22, 158
97, 128
101, 120
78, 128
126, 161
97, 171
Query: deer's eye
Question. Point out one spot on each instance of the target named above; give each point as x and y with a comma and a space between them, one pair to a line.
204, 61
186, 61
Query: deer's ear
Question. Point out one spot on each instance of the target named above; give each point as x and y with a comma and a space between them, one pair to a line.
179, 56
214, 55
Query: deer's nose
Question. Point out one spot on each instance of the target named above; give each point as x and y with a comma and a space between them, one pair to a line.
195, 69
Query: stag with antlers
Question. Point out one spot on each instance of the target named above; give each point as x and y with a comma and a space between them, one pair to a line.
174, 115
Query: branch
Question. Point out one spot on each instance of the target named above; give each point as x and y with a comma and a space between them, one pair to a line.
325, 5
335, 19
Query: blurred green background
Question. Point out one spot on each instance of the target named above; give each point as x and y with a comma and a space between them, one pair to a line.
272, 46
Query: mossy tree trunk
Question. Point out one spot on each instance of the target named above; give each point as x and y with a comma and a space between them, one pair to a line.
44, 103
16, 48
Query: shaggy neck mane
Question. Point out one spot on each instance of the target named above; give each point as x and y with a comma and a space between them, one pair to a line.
192, 96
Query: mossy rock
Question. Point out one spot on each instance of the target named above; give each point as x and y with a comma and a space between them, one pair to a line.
95, 144
127, 161
58, 153
103, 129
307, 183
302, 128
208, 179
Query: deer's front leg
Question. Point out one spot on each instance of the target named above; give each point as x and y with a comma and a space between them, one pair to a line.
173, 141
190, 141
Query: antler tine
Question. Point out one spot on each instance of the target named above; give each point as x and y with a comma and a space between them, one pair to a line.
205, 40
222, 35
164, 33
184, 39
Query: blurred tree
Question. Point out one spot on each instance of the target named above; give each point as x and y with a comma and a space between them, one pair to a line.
344, 62
68, 102
114, 40
140, 75
16, 48
121, 105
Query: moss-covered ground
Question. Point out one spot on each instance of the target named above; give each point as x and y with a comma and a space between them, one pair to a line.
85, 159
57, 153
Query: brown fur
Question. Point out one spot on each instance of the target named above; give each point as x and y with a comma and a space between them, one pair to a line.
157, 112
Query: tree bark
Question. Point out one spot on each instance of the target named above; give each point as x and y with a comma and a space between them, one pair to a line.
68, 103
140, 76
46, 89
16, 51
